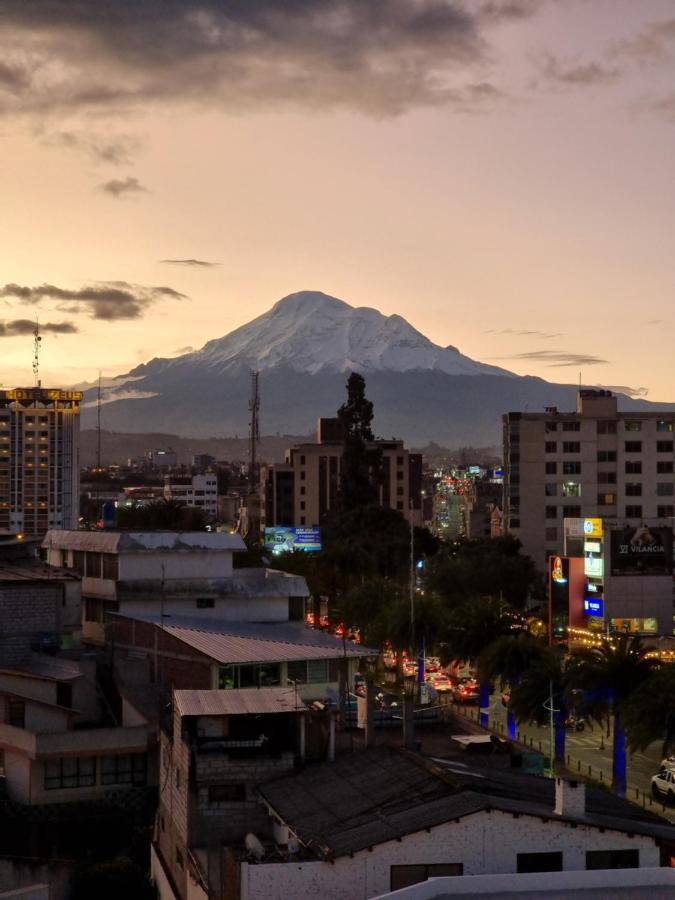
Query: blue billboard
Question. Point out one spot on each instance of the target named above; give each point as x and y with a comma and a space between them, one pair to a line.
283, 539
593, 606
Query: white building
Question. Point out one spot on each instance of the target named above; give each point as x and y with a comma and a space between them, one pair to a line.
194, 490
39, 459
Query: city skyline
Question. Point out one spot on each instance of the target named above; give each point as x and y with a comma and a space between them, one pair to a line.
496, 173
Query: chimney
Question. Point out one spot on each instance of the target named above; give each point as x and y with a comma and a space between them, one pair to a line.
570, 798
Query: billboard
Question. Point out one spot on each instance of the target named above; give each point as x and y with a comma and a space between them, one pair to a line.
593, 606
284, 539
585, 528
644, 550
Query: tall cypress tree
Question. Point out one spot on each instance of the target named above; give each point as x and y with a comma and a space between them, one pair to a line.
360, 476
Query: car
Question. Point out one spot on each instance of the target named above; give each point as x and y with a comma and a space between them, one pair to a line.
663, 784
442, 683
465, 692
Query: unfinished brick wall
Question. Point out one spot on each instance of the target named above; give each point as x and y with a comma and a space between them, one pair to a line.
26, 611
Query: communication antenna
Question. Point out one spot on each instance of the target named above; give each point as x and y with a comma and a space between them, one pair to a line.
98, 423
36, 352
254, 432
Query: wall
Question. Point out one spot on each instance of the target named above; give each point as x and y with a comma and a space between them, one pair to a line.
17, 776
229, 609
26, 610
177, 565
486, 843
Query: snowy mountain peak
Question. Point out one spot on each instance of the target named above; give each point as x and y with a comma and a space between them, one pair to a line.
310, 331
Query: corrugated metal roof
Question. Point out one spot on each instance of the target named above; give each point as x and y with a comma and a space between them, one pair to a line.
238, 702
143, 541
37, 571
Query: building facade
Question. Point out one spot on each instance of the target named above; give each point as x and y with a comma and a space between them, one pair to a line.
306, 486
194, 490
39, 459
594, 462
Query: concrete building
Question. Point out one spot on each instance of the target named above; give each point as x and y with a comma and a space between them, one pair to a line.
162, 458
39, 459
169, 574
594, 462
383, 820
203, 461
305, 487
194, 490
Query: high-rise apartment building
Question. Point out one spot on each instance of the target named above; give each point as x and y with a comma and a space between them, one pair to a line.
595, 462
39, 459
305, 487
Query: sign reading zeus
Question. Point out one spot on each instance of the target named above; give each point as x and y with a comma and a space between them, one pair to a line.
643, 550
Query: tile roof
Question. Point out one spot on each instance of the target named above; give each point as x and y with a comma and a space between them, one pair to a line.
378, 795
237, 702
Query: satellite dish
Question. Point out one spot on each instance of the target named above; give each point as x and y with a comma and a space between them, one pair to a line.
254, 846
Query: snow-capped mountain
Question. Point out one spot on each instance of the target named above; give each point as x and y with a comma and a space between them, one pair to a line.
312, 332
303, 348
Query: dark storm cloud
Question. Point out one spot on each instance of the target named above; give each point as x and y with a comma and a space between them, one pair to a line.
27, 326
558, 358
109, 301
203, 263
578, 74
380, 58
123, 187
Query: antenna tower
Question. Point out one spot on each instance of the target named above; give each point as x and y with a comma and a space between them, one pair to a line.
36, 352
98, 423
254, 432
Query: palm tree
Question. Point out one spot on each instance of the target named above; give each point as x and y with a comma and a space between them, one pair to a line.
546, 682
649, 713
610, 674
507, 659
473, 626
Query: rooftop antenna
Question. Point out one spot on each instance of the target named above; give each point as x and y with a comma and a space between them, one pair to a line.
98, 423
254, 433
36, 353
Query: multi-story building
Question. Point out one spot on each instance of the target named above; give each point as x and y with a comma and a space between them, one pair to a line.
194, 490
306, 486
39, 459
594, 462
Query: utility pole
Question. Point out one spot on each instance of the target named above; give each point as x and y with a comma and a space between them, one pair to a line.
98, 423
254, 431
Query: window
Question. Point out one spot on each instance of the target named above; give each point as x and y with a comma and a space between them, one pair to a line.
302, 490
572, 512
663, 425
552, 533
633, 489
551, 512
571, 447
606, 426
664, 446
612, 859
64, 694
399, 491
632, 425
572, 468
124, 768
399, 460
302, 475
93, 610
302, 520
399, 473
664, 468
551, 490
110, 568
551, 426
633, 512
606, 477
633, 468
70, 772
606, 455
302, 460
607, 499
226, 793
571, 426
633, 446
664, 489
514, 523
551, 447
16, 713
302, 504
571, 489
664, 512
539, 862
262, 675
78, 561
93, 565
205, 602
404, 876
399, 504
551, 468
315, 671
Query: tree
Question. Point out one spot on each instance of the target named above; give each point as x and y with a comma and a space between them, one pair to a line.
507, 659
471, 627
610, 674
111, 880
360, 466
649, 713
162, 515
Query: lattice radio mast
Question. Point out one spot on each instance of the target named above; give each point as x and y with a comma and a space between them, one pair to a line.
98, 423
254, 432
36, 353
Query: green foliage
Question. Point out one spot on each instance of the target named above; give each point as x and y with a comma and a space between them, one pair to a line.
612, 672
485, 567
118, 878
162, 515
649, 713
533, 690
509, 657
360, 466
474, 625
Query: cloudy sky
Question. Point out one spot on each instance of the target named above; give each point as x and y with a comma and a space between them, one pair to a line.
499, 172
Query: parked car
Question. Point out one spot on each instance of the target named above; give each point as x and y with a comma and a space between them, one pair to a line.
442, 683
663, 784
465, 692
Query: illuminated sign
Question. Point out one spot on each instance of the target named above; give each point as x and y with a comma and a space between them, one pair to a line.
593, 606
557, 570
585, 528
644, 550
41, 394
593, 566
280, 539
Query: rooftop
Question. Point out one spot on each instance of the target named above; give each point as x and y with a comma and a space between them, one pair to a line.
247, 701
379, 795
143, 541
35, 570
